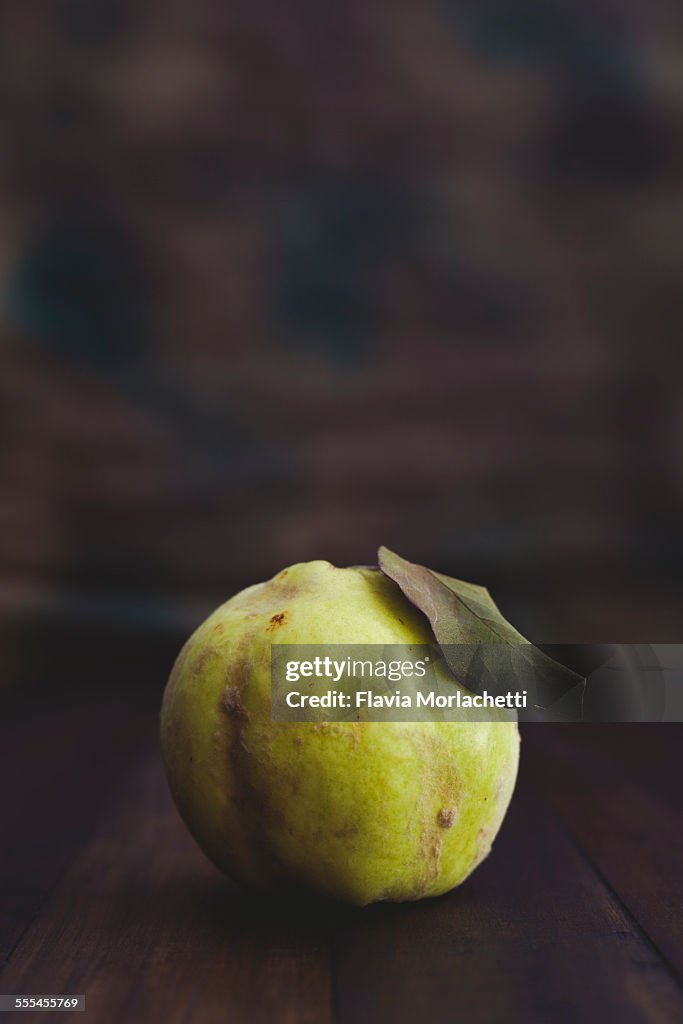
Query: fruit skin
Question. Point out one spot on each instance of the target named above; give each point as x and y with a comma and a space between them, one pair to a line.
359, 811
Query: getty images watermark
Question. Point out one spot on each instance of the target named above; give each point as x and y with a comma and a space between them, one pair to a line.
477, 682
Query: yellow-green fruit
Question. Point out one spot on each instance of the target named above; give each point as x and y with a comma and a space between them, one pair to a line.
360, 811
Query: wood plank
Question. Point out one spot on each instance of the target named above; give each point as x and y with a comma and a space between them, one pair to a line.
148, 930
60, 765
618, 787
534, 935
145, 927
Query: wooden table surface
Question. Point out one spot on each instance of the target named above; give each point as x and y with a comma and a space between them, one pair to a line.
576, 916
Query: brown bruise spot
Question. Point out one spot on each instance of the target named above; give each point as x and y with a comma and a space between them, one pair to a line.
277, 620
484, 843
432, 837
445, 789
231, 701
200, 662
249, 806
431, 846
432, 850
331, 728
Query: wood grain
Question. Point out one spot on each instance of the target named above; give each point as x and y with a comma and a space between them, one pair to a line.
618, 788
534, 935
143, 925
60, 765
572, 918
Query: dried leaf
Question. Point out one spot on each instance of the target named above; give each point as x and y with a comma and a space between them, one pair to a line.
479, 645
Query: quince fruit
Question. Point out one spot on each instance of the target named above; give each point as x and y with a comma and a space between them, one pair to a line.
357, 810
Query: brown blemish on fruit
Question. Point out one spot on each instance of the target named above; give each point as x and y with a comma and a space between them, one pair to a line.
200, 662
276, 620
446, 817
255, 817
431, 846
484, 842
231, 701
445, 788
330, 728
354, 731
432, 850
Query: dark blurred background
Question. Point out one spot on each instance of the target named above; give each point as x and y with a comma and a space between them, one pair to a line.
283, 282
